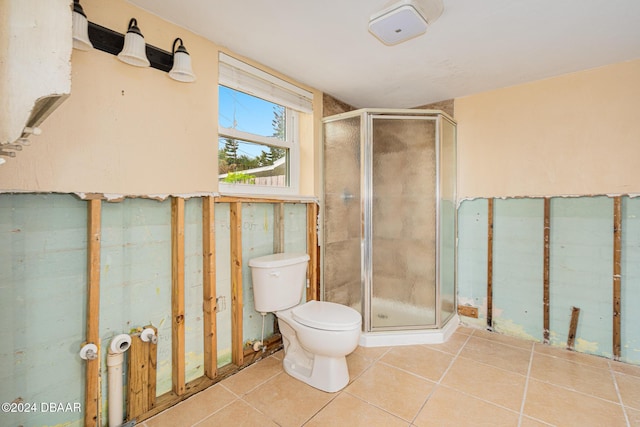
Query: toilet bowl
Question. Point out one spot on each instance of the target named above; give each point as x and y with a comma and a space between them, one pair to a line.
317, 335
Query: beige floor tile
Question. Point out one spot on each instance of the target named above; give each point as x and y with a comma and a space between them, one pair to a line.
237, 414
626, 368
254, 375
466, 330
573, 356
447, 407
357, 364
530, 422
193, 409
562, 407
287, 401
634, 417
496, 354
396, 391
504, 339
348, 410
419, 360
453, 344
486, 382
586, 379
629, 387
371, 353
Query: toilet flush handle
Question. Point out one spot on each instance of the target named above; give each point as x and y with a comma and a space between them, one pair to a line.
275, 274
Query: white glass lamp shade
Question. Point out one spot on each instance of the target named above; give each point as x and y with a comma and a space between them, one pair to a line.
80, 29
134, 50
181, 70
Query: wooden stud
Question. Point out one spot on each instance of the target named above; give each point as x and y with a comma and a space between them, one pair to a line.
490, 263
468, 311
209, 287
278, 228
92, 369
573, 327
177, 295
545, 273
141, 376
235, 215
617, 274
313, 290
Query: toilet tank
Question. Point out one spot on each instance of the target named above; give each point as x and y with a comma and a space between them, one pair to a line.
278, 280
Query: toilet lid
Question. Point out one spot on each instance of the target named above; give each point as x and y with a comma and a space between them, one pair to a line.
327, 315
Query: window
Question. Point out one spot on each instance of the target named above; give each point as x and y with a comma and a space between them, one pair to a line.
258, 147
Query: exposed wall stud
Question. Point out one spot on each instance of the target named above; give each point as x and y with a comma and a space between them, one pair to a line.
177, 295
278, 228
617, 273
490, 263
313, 290
141, 376
209, 287
573, 327
92, 383
545, 274
235, 215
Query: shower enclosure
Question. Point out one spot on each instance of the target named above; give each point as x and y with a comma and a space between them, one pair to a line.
389, 217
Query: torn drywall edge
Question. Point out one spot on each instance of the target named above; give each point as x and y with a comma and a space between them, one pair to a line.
115, 197
111, 197
610, 195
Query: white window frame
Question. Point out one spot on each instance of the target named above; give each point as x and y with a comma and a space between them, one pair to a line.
291, 144
245, 78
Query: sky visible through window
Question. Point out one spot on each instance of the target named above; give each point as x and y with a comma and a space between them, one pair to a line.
246, 113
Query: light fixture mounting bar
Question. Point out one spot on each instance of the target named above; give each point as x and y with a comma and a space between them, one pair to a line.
112, 42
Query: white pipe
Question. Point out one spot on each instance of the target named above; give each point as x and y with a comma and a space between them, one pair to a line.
115, 359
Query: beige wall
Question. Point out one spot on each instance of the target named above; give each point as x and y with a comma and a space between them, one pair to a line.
577, 134
134, 131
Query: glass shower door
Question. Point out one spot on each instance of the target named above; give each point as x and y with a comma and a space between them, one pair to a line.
403, 193
342, 212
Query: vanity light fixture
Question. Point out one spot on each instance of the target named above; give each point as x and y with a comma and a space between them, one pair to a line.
80, 28
181, 70
134, 50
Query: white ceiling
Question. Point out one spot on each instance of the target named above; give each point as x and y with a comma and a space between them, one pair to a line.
475, 46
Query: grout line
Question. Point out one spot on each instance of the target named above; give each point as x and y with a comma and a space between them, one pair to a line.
378, 407
615, 383
526, 385
453, 359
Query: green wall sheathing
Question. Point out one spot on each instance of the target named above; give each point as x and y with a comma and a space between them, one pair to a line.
193, 309
223, 283
295, 227
257, 240
135, 277
43, 261
518, 247
580, 269
630, 294
581, 272
472, 257
43, 280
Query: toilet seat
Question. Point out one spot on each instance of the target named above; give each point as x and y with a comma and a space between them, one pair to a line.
327, 316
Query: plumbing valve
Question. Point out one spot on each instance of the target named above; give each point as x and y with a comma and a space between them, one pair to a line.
89, 352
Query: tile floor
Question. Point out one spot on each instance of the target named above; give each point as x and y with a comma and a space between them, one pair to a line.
477, 378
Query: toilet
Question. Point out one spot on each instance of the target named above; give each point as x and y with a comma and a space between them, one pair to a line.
317, 335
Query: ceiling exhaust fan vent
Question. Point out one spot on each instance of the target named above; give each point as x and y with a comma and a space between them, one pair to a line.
404, 20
